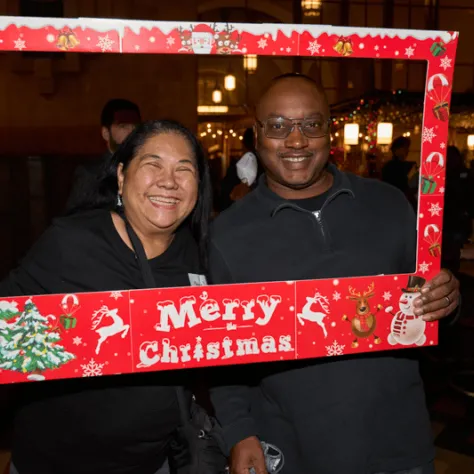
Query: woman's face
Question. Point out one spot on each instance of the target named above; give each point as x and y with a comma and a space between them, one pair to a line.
159, 188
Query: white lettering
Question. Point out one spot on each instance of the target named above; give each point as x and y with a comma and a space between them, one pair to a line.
247, 347
185, 357
268, 306
226, 344
268, 345
213, 351
285, 344
169, 312
210, 311
149, 353
248, 313
169, 353
229, 309
145, 359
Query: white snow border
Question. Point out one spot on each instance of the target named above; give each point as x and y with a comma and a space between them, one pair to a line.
105, 25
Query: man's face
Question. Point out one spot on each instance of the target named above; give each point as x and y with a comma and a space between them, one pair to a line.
402, 153
118, 132
124, 123
296, 162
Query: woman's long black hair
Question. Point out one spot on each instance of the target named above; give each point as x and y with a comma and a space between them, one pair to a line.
104, 195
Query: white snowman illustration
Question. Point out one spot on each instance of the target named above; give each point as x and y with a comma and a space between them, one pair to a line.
407, 328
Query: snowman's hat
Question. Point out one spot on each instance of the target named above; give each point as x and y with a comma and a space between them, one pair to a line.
415, 283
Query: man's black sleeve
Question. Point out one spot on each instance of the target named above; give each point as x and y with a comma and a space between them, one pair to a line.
230, 392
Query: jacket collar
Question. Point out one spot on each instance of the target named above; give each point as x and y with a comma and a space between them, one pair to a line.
274, 203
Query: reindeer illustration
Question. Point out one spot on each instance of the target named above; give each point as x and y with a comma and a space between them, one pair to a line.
105, 332
313, 316
185, 36
364, 323
225, 44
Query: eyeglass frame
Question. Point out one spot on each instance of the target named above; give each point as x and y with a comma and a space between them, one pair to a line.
263, 123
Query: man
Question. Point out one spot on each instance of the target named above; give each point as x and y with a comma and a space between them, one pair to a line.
361, 414
396, 171
241, 174
247, 168
119, 117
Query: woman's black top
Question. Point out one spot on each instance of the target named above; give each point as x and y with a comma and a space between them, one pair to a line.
98, 425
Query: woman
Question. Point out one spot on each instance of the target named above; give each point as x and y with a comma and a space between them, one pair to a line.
159, 182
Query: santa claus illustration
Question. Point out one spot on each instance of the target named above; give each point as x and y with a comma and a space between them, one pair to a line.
407, 328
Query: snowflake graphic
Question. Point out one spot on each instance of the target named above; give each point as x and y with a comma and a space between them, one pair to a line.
397, 53
20, 44
262, 43
92, 369
441, 190
442, 146
77, 341
336, 296
116, 295
377, 48
335, 349
428, 135
151, 39
105, 43
387, 296
288, 50
314, 47
137, 47
361, 45
435, 209
170, 41
409, 52
446, 63
424, 267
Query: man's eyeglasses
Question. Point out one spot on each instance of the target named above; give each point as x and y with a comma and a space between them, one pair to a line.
280, 127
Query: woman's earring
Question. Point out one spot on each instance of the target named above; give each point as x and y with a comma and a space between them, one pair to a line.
119, 200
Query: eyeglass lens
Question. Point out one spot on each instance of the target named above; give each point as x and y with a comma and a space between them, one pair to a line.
281, 128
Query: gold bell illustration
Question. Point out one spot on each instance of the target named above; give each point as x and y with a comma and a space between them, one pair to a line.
339, 46
344, 46
62, 42
347, 51
72, 40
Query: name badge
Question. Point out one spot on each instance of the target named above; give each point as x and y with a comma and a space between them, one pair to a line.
197, 280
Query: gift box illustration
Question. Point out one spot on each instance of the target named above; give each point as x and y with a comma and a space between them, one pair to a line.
438, 49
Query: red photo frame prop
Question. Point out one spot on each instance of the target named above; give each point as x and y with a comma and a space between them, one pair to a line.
91, 334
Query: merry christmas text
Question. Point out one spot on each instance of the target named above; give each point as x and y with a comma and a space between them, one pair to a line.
153, 352
259, 311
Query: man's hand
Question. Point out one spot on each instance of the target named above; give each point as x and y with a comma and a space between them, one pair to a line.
439, 297
247, 454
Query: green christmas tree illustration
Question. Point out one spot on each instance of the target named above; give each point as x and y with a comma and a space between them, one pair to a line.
29, 345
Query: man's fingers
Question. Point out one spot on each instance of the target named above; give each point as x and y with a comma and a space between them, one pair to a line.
435, 297
441, 309
442, 303
261, 469
443, 277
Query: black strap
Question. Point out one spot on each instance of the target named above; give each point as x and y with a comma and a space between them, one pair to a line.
140, 256
149, 280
